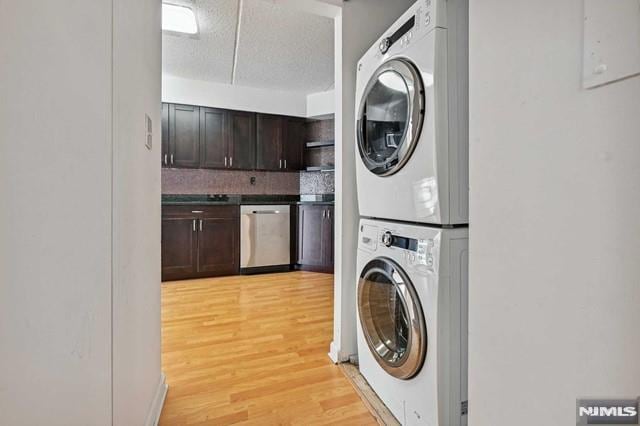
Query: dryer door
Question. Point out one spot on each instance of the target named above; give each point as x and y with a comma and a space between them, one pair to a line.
392, 319
390, 117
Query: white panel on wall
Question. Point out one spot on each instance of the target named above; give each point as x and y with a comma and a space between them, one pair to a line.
611, 41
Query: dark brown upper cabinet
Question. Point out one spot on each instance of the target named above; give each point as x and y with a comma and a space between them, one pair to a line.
242, 140
184, 136
214, 138
165, 135
269, 146
294, 140
280, 142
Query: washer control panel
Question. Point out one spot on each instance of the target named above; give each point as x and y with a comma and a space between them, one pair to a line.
416, 251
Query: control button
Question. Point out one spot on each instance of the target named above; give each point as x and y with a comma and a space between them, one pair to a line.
387, 239
385, 44
410, 35
428, 18
412, 258
430, 261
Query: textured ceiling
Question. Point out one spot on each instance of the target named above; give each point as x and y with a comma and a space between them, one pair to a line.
278, 47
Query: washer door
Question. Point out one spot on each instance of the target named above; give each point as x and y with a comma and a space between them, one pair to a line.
392, 318
390, 117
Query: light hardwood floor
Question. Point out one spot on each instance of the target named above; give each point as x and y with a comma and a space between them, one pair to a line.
252, 350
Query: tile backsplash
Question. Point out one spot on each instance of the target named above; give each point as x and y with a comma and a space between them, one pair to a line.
317, 183
203, 181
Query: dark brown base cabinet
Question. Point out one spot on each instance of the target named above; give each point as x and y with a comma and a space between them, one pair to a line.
200, 241
315, 238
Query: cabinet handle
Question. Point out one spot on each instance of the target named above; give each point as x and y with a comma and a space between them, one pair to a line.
230, 161
328, 214
172, 159
324, 214
281, 163
225, 161
200, 225
165, 159
194, 225
285, 163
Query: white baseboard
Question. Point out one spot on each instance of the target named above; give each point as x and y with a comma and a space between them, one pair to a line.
336, 356
158, 402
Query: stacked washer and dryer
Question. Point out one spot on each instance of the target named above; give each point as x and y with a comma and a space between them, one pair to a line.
412, 180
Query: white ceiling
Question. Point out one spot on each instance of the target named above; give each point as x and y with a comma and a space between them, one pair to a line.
273, 46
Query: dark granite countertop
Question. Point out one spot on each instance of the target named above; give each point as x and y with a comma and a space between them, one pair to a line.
224, 199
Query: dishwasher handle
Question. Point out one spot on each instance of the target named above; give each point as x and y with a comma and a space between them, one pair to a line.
266, 212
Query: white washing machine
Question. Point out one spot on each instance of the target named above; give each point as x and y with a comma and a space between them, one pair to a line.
412, 327
412, 118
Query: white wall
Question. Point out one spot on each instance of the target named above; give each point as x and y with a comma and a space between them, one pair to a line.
138, 387
321, 104
361, 24
55, 219
555, 201
60, 176
217, 95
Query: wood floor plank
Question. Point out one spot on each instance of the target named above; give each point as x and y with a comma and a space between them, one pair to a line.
252, 350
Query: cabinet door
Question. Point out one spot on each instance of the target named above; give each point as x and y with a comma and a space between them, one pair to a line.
214, 145
327, 237
269, 146
294, 141
218, 246
242, 143
184, 136
310, 228
165, 135
179, 248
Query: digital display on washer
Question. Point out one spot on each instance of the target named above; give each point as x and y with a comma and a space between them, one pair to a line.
403, 30
405, 243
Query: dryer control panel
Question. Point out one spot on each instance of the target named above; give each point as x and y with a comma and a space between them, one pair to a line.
419, 20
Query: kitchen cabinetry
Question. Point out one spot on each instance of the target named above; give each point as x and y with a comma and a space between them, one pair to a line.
165, 135
208, 138
269, 142
184, 136
242, 140
200, 241
315, 237
280, 142
213, 138
294, 140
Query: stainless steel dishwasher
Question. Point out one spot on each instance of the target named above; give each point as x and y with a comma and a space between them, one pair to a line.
265, 243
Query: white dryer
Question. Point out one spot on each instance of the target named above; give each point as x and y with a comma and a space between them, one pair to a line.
412, 118
412, 319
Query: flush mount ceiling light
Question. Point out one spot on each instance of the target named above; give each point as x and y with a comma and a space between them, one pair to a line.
178, 19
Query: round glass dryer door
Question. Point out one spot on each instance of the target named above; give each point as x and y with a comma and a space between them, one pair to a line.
391, 318
390, 117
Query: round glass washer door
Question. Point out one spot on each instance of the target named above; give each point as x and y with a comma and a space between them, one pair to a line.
392, 319
390, 117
